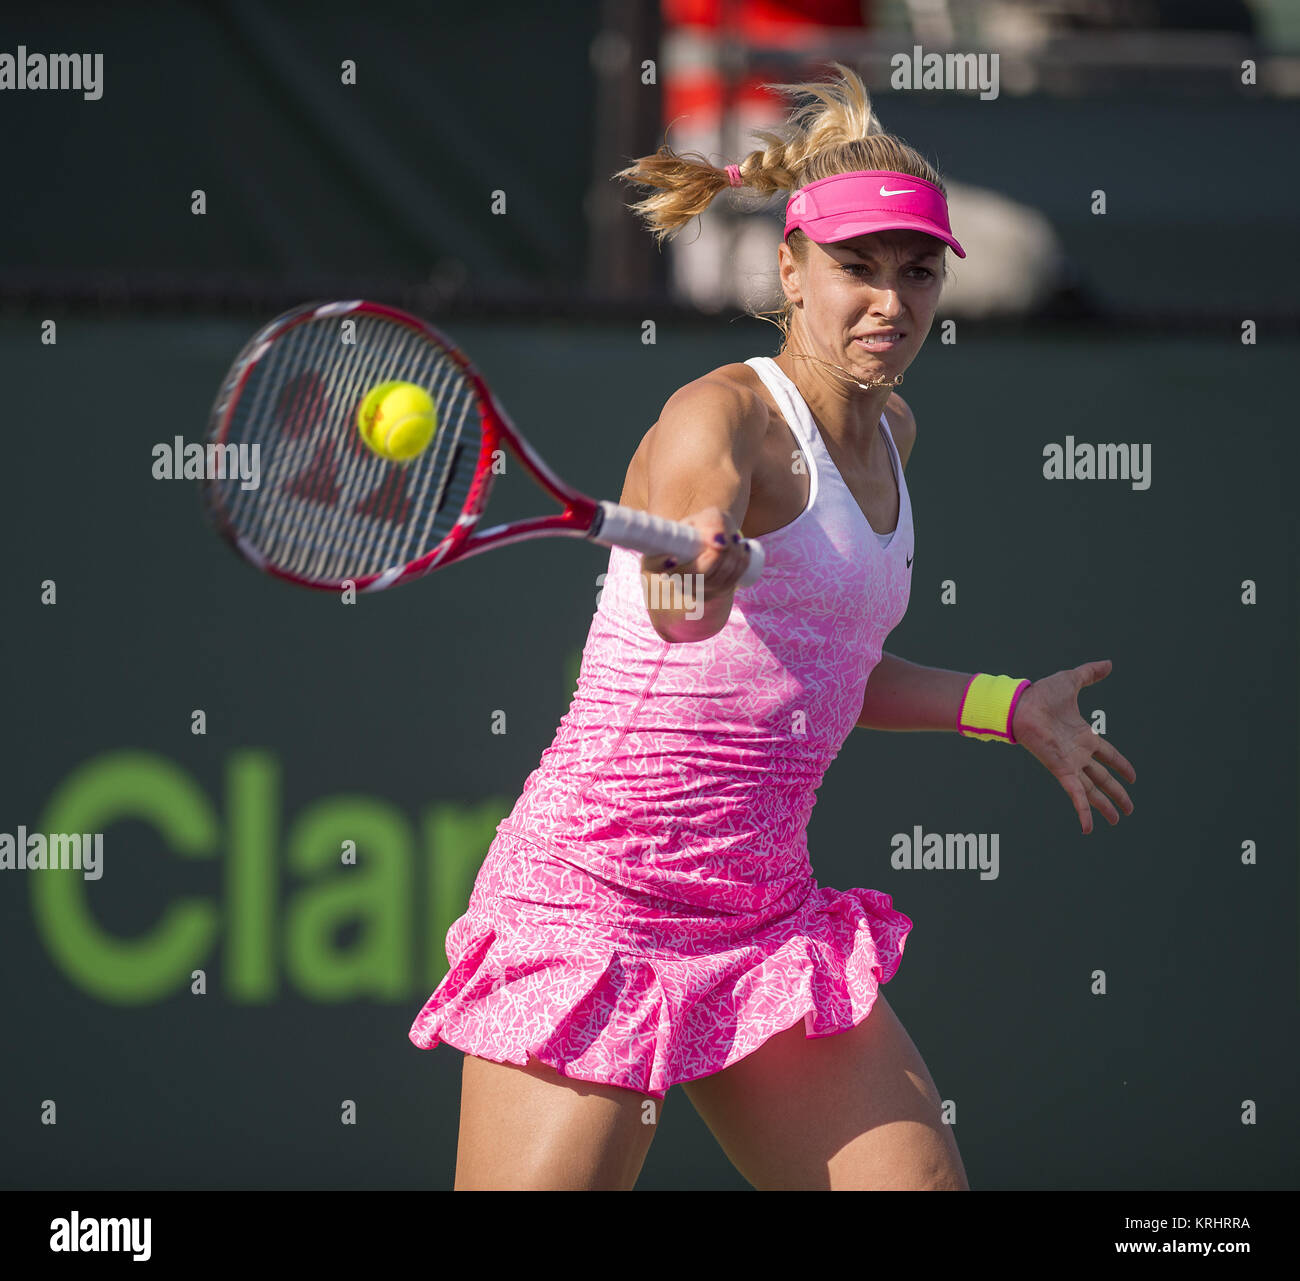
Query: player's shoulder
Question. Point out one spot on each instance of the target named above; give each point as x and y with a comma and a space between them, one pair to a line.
902, 423
729, 398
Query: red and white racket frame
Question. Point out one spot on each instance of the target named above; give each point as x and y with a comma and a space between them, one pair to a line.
609, 524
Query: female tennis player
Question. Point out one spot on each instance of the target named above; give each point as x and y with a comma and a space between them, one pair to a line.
647, 915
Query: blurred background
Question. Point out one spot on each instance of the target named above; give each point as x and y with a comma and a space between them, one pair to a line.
199, 1013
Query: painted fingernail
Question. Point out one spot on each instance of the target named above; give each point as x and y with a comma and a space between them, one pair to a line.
735, 538
720, 539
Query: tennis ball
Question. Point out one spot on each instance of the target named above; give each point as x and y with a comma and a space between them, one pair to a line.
397, 420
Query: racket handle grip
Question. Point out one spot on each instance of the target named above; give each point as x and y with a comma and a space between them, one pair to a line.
654, 536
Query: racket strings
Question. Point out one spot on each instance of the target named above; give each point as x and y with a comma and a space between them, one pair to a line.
328, 508
367, 491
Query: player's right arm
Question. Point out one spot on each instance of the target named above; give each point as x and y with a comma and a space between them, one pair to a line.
699, 464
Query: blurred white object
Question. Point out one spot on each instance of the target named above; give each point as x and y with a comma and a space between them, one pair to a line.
1014, 259
1013, 262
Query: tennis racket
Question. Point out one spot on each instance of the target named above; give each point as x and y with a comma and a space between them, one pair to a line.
328, 511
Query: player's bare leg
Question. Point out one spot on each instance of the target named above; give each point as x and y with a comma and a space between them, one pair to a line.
855, 1110
533, 1128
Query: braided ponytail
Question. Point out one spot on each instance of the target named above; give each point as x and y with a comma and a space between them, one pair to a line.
837, 131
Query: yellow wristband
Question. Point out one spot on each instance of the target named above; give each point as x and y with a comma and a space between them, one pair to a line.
988, 705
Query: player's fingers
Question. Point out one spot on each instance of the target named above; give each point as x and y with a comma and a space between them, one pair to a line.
1101, 801
1109, 784
1091, 673
1080, 798
732, 561
718, 539
715, 528
1113, 757
714, 571
715, 555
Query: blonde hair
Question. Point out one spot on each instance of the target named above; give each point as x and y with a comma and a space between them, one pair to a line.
837, 132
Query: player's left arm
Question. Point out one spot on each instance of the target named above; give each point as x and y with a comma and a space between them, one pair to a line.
907, 696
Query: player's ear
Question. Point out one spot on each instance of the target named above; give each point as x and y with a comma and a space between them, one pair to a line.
790, 273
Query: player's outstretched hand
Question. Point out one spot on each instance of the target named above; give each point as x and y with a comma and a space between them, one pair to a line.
1048, 726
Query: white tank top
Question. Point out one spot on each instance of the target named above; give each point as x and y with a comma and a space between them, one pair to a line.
797, 413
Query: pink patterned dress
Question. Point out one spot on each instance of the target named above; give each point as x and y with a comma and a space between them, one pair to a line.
647, 913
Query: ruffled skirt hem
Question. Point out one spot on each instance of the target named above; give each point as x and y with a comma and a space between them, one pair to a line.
599, 1012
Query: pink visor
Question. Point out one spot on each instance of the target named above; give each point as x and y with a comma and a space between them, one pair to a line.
867, 200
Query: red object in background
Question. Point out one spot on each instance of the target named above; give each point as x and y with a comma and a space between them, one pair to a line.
816, 13
697, 89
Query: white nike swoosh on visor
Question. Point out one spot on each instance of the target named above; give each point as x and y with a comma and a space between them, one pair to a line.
902, 191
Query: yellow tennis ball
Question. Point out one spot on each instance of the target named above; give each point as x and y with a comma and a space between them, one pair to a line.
366, 412
397, 420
